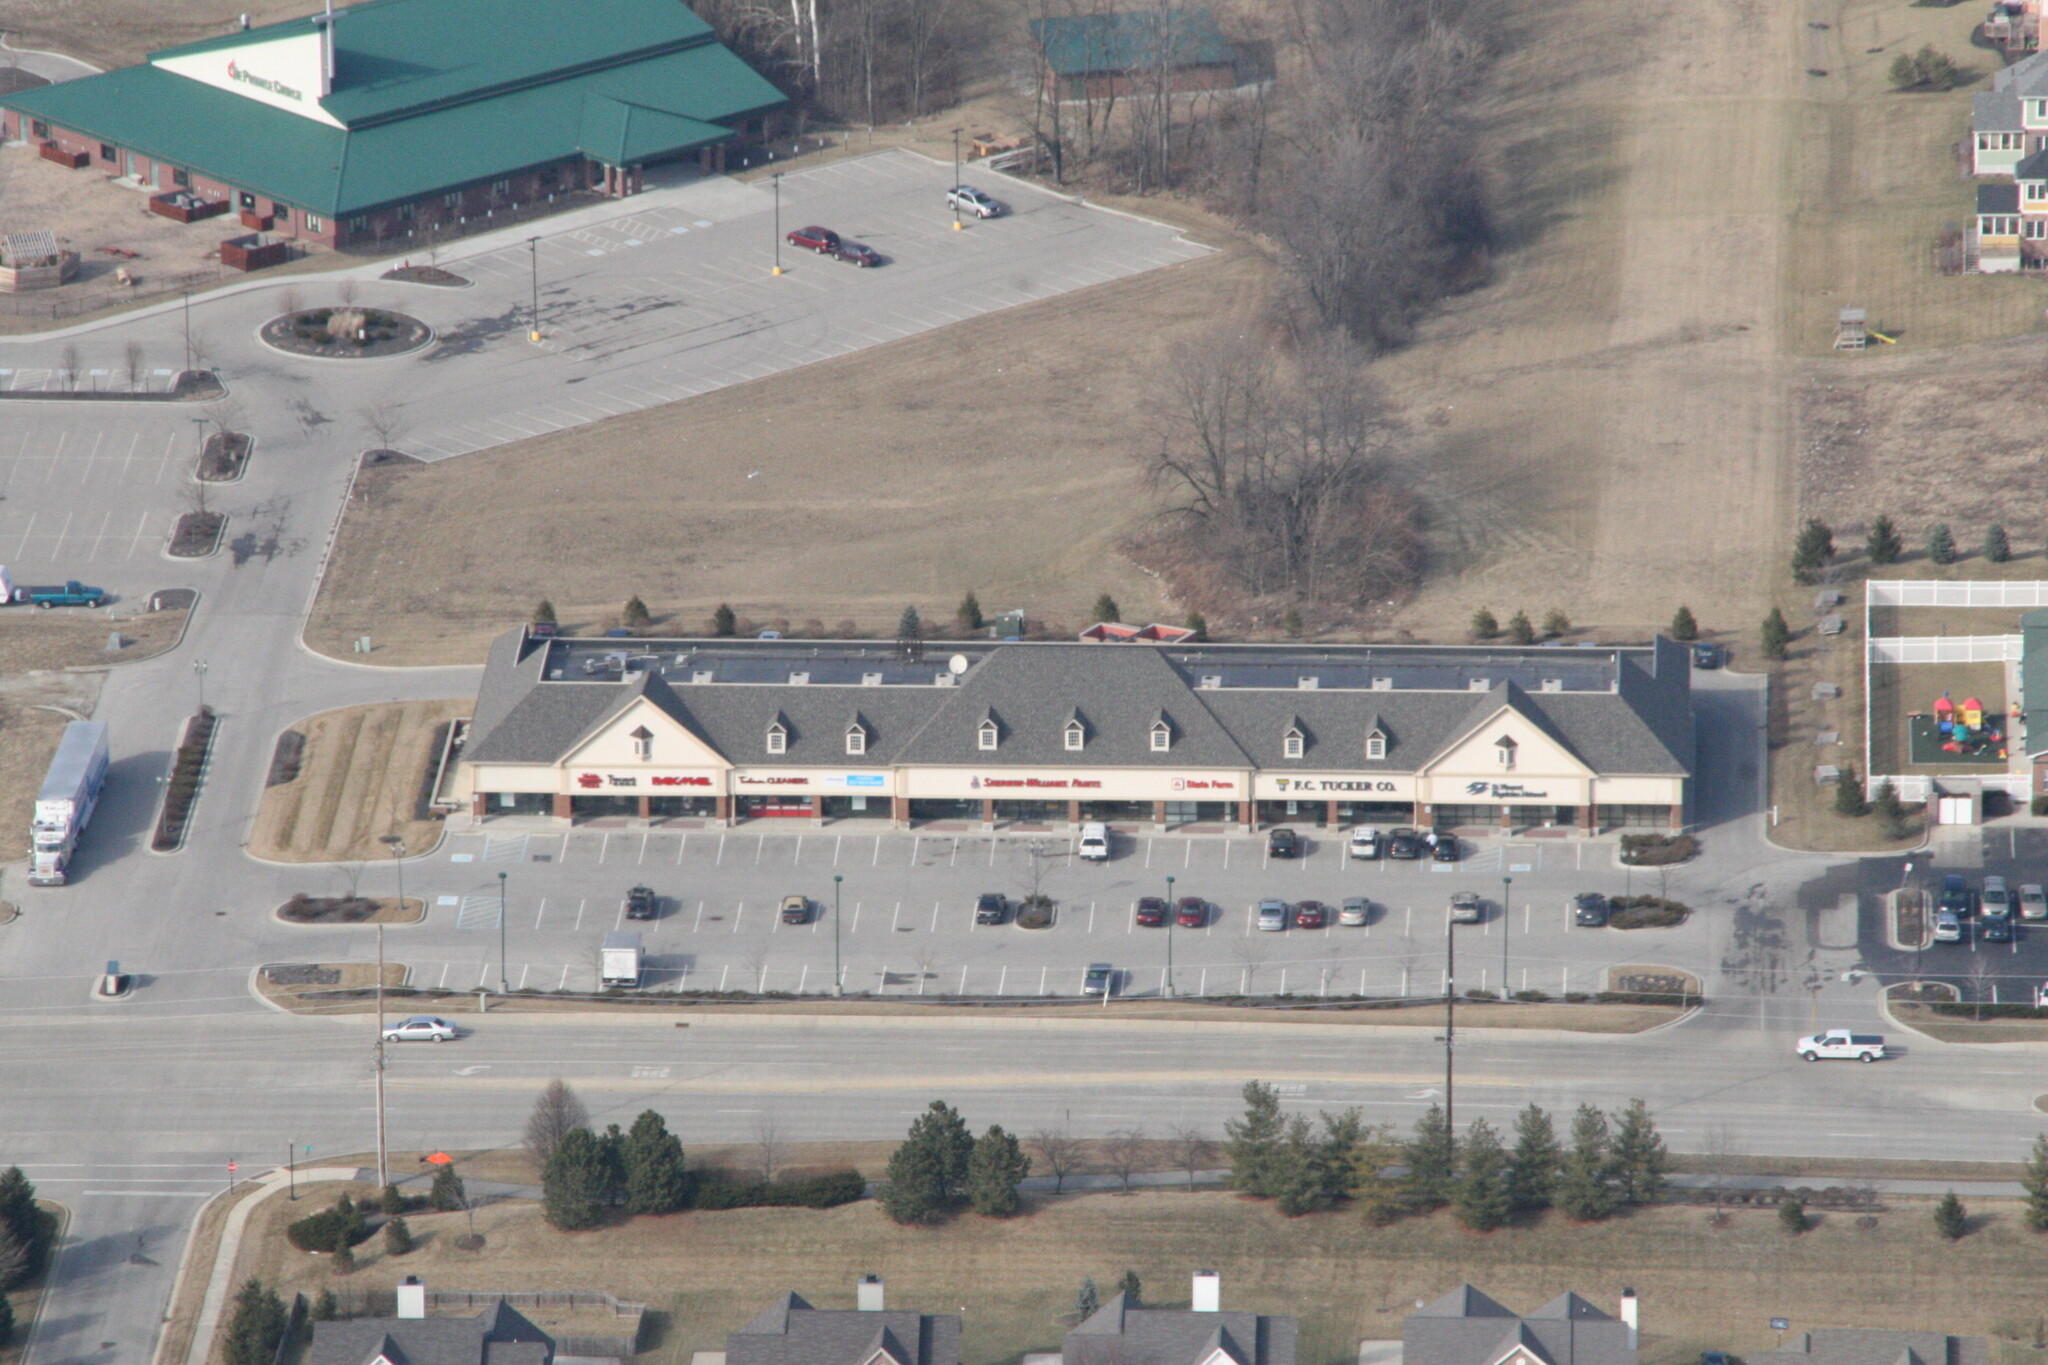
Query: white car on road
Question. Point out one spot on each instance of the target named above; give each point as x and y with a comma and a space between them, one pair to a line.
1842, 1045
421, 1028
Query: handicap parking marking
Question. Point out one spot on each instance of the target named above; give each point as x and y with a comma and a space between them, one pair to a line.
477, 912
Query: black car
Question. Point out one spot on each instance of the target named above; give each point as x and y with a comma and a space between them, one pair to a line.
1404, 843
1150, 911
1589, 910
989, 909
641, 903
1283, 843
1956, 895
1706, 655
1445, 849
1992, 929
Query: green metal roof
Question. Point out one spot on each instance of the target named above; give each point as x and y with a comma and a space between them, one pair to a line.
2034, 670
1090, 44
627, 112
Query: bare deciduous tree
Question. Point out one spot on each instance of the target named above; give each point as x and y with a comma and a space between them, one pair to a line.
384, 420
556, 1113
767, 1145
1124, 1151
131, 363
1059, 1152
68, 361
1194, 1150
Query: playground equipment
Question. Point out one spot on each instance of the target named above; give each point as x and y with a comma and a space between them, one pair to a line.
1965, 729
1853, 331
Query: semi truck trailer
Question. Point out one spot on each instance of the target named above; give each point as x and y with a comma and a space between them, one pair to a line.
65, 802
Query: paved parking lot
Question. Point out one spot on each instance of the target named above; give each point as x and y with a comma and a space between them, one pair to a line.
80, 491
907, 921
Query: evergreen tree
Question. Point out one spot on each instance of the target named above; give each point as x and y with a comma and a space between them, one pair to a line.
1199, 624
6, 1321
1556, 623
1997, 545
1484, 626
1813, 550
1131, 1288
1377, 1195
391, 1203
1291, 623
928, 1171
1255, 1143
1684, 628
1483, 1199
13, 1260
1583, 1188
635, 615
352, 1223
256, 1326
1792, 1216
994, 1169
1941, 545
1639, 1161
1087, 1301
325, 1306
1890, 813
397, 1237
1950, 1218
656, 1180
1320, 1169
30, 1225
544, 614
2034, 1180
1532, 1170
1432, 1160
1106, 609
969, 614
611, 1166
1775, 636
1520, 632
1883, 545
573, 1185
723, 622
909, 626
1849, 793
447, 1193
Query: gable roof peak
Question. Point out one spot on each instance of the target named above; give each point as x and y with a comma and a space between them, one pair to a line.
1464, 1302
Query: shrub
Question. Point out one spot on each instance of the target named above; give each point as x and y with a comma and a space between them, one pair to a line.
1658, 850
1997, 545
398, 1237
1646, 912
393, 1203
1484, 626
1792, 1216
330, 1229
1775, 635
1684, 628
1520, 632
1556, 623
827, 1191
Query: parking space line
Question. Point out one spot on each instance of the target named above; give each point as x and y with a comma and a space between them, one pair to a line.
542, 913
738, 915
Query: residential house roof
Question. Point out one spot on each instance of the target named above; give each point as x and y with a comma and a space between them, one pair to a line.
791, 1332
1996, 111
1876, 1346
499, 1335
1466, 1327
1123, 1333
2027, 76
2002, 198
1092, 44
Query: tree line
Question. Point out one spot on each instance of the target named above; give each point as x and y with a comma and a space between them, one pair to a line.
27, 1237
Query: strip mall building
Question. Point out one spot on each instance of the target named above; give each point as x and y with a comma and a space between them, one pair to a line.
374, 122
1579, 739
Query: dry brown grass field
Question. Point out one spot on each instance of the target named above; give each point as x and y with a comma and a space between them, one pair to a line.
358, 778
1701, 1286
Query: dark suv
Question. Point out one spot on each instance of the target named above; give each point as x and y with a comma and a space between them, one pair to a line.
1955, 895
1283, 843
1589, 910
1404, 843
641, 903
990, 908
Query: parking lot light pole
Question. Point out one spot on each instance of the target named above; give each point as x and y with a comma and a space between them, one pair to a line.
1450, 1014
1507, 913
956, 179
533, 259
504, 986
1171, 915
837, 988
776, 181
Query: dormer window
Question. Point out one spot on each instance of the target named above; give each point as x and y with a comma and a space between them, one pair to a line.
1162, 736
778, 738
1076, 736
856, 738
643, 743
986, 737
1504, 748
1293, 742
1376, 745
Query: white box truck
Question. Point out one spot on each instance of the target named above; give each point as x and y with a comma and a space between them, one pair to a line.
65, 802
619, 960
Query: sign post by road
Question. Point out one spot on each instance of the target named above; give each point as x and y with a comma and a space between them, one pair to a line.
837, 988
232, 1168
1171, 914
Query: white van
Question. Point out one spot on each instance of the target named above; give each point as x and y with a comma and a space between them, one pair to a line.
1094, 842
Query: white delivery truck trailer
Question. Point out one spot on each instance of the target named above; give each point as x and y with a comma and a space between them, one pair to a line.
65, 802
619, 960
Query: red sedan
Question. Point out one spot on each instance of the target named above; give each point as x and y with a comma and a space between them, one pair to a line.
1151, 912
1311, 915
1191, 912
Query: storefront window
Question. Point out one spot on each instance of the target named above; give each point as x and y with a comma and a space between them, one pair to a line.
1634, 817
1293, 812
596, 807
765, 807
855, 807
944, 808
518, 803
1030, 810
668, 807
1375, 812
1116, 810
1488, 815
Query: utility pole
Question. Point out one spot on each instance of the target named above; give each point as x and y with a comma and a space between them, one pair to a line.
1450, 1014
837, 988
533, 258
956, 179
397, 846
188, 330
776, 181
1506, 918
1171, 915
504, 988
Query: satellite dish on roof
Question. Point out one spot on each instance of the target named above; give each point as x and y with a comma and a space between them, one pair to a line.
958, 663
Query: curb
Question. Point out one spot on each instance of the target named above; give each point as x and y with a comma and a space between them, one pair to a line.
28, 1338
228, 1250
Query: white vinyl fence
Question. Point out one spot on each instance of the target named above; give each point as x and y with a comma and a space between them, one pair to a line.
1915, 592
1945, 649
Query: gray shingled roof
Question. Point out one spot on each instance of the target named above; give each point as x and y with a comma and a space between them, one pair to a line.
1875, 1346
791, 1332
1465, 1327
2027, 76
1996, 111
499, 1335
1121, 1334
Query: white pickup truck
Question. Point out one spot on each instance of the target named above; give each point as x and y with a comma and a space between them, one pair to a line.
1842, 1045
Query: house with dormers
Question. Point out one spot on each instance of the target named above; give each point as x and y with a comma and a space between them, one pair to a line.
1123, 1332
1466, 1327
499, 1335
1166, 734
791, 1332
1876, 1346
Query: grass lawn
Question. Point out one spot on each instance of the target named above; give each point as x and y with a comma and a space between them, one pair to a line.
704, 1274
359, 778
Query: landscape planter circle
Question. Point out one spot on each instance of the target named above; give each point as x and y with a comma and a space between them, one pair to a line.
303, 333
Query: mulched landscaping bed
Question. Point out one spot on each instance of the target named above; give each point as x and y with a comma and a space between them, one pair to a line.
183, 788
285, 759
303, 909
225, 456
301, 974
427, 274
1645, 912
198, 534
382, 333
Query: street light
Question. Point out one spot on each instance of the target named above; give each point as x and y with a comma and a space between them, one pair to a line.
504, 988
776, 181
1506, 918
956, 179
533, 258
1450, 1014
837, 988
1171, 915
199, 672
397, 846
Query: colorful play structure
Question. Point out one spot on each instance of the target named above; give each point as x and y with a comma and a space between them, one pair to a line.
1961, 730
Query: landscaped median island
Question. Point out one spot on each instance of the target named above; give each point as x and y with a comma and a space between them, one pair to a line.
351, 909
181, 789
342, 780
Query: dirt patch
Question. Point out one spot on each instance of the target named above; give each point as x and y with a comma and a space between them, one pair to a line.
426, 274
897, 475
283, 983
358, 775
304, 909
122, 32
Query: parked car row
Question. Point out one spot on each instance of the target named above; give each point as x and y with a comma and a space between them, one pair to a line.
1994, 907
826, 242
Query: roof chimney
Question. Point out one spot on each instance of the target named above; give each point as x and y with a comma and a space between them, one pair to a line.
1628, 1315
1208, 1294
412, 1298
868, 1294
